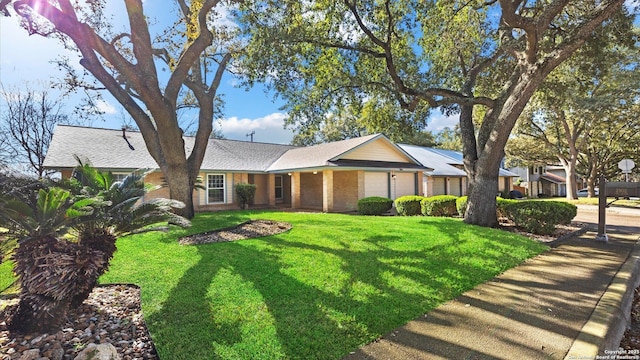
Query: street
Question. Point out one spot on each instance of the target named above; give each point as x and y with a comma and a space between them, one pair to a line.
618, 219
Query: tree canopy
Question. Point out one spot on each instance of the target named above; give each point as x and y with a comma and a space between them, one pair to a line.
594, 90
483, 60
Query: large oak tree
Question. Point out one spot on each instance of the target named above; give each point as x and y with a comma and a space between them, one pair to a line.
587, 105
194, 51
480, 59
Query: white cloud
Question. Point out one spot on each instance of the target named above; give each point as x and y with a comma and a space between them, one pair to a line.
439, 121
105, 107
269, 129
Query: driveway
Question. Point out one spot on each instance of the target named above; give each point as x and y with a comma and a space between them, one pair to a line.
618, 219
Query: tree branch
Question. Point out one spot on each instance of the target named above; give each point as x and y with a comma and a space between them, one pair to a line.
142, 50
604, 11
192, 53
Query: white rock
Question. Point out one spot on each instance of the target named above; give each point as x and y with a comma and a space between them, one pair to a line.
98, 352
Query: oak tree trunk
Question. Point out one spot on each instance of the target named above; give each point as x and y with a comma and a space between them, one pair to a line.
181, 189
481, 204
571, 176
484, 151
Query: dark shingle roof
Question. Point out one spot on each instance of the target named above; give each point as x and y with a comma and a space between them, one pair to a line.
106, 148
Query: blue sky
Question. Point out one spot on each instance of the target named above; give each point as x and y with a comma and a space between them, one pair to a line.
26, 59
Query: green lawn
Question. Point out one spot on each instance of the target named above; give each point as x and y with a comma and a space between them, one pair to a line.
331, 284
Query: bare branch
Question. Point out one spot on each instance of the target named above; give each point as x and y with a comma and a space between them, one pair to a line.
341, 46
222, 65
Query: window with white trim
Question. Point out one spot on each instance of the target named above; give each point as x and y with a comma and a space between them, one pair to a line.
215, 188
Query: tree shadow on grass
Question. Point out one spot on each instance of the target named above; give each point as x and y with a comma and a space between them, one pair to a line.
252, 299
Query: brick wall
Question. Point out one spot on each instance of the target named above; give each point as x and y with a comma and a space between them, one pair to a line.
345, 190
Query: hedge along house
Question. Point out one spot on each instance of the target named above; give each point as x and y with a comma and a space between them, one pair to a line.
448, 176
328, 177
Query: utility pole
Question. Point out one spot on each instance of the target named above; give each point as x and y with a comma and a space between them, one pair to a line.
253, 132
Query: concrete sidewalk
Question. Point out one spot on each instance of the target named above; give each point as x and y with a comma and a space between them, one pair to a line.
567, 302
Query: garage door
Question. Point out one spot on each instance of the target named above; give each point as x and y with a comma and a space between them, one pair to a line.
438, 186
405, 184
376, 184
454, 183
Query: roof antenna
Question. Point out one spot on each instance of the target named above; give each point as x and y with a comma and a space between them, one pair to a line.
124, 136
253, 132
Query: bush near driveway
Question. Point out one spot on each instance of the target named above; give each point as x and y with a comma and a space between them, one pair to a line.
439, 205
540, 217
461, 205
409, 205
374, 205
501, 206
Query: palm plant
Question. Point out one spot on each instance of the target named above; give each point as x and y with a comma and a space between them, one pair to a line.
42, 258
67, 234
127, 213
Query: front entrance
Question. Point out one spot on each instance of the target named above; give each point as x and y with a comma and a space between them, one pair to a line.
282, 188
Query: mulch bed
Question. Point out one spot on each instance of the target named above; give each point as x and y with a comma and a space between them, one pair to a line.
247, 230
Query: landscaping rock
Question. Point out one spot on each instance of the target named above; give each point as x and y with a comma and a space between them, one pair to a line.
110, 315
99, 352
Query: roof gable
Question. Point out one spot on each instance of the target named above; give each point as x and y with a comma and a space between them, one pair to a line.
372, 148
556, 179
377, 149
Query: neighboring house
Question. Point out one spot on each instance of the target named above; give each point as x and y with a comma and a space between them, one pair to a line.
543, 181
448, 176
328, 177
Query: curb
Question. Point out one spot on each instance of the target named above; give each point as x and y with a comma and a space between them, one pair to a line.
560, 240
611, 316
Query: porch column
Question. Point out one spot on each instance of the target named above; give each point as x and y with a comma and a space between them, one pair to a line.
327, 190
429, 181
271, 189
295, 190
361, 184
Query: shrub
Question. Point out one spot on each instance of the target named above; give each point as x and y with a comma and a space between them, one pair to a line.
409, 205
374, 205
501, 205
439, 205
461, 205
565, 211
246, 193
540, 217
